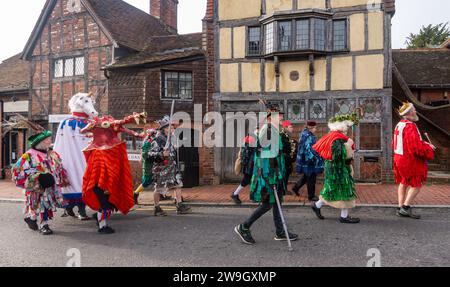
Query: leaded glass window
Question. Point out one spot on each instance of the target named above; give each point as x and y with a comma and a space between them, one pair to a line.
59, 68
319, 34
284, 35
344, 106
254, 41
269, 38
296, 110
68, 67
79, 66
372, 108
339, 35
302, 41
317, 109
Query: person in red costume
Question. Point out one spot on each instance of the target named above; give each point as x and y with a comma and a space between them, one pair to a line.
107, 181
411, 154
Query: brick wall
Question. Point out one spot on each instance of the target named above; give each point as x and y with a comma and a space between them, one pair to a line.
136, 90
68, 35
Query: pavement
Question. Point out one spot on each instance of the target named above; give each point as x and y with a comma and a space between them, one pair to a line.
436, 195
206, 238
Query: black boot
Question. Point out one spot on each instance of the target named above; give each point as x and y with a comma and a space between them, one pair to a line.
406, 211
183, 209
317, 211
70, 212
349, 220
32, 224
106, 230
236, 199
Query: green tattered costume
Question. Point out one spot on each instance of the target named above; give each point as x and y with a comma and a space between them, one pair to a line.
147, 165
269, 170
339, 187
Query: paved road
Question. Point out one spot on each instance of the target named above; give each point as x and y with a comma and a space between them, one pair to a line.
206, 238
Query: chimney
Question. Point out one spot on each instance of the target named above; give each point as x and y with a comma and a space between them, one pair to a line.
166, 11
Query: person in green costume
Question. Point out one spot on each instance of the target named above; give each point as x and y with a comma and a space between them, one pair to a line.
337, 149
268, 177
147, 164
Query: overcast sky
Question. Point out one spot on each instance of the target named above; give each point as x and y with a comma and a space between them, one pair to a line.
18, 17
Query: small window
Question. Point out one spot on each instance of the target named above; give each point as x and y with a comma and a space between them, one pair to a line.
285, 36
69, 67
319, 34
268, 36
79, 66
302, 34
339, 35
177, 85
254, 41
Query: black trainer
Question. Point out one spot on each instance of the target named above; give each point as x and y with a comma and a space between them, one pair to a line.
183, 209
244, 234
236, 199
314, 198
317, 211
32, 224
45, 230
106, 230
349, 220
406, 211
282, 237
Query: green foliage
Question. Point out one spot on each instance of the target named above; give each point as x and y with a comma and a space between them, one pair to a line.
353, 117
431, 35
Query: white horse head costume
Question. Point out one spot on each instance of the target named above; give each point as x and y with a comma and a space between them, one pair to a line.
83, 103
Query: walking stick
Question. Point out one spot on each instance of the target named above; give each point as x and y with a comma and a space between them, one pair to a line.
283, 220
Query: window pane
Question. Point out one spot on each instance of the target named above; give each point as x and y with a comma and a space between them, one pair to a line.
58, 68
285, 36
302, 34
319, 34
269, 38
79, 66
317, 109
339, 35
254, 40
178, 85
68, 68
296, 110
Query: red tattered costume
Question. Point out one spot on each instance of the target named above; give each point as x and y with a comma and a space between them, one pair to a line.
411, 154
108, 167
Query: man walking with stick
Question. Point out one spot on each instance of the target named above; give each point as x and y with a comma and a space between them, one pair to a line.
268, 185
411, 154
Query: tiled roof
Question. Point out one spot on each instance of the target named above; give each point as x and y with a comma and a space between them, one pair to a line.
424, 67
164, 48
14, 74
128, 25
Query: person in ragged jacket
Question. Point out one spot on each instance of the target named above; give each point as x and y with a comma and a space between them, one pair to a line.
247, 163
309, 163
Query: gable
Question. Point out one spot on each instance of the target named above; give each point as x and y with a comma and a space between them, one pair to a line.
117, 21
